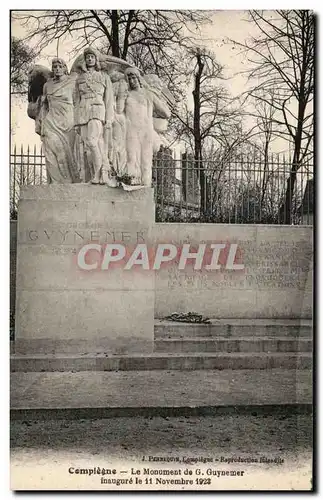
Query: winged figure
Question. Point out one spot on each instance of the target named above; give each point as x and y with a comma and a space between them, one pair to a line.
50, 104
101, 122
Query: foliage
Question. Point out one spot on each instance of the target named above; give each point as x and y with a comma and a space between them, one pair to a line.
21, 58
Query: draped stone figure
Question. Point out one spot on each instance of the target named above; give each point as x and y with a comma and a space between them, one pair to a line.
139, 106
118, 150
54, 116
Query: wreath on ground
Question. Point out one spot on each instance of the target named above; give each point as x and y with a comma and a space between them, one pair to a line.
125, 179
190, 317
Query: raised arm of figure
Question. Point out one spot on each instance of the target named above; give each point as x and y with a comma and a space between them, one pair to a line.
121, 96
160, 106
76, 102
109, 101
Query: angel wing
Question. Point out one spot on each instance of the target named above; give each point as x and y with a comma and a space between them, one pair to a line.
37, 77
160, 123
155, 84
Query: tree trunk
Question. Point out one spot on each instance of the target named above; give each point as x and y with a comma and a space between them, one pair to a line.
285, 211
197, 134
115, 33
266, 169
131, 14
303, 94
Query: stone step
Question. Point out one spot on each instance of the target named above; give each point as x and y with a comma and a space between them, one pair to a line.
233, 344
97, 394
159, 361
188, 344
235, 328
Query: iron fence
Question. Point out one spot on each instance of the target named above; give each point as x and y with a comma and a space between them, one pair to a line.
27, 168
234, 190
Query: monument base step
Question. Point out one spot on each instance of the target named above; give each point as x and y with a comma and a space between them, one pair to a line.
93, 413
233, 344
97, 394
161, 361
221, 335
235, 327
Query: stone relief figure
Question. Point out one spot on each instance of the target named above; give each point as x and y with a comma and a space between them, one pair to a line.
119, 152
100, 124
131, 143
93, 117
139, 106
54, 117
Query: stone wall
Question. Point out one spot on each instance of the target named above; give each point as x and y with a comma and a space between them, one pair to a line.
58, 300
276, 281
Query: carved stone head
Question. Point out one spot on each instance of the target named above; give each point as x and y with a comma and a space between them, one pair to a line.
133, 78
91, 59
59, 67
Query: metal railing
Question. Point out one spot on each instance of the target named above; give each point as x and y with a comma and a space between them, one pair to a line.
234, 190
27, 168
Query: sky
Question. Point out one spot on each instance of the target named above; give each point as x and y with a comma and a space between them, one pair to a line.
224, 24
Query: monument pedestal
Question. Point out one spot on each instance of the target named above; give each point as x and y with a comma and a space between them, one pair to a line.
63, 308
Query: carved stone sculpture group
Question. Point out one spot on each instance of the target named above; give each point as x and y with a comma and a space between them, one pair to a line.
101, 123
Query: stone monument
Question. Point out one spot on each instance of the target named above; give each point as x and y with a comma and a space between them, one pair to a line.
99, 125
104, 118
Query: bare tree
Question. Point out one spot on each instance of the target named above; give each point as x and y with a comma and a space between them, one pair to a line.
282, 58
265, 134
117, 32
156, 41
211, 118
